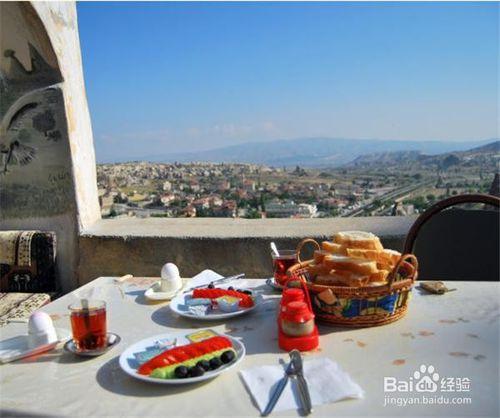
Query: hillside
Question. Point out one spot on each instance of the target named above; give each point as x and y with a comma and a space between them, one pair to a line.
312, 152
485, 154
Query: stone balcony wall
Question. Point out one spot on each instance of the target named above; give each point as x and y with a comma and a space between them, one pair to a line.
141, 246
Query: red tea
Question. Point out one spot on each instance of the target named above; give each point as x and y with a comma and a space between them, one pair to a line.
281, 264
89, 328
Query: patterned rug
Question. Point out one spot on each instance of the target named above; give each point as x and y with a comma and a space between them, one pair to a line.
20, 305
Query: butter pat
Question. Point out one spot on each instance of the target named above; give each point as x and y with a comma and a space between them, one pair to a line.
198, 302
228, 303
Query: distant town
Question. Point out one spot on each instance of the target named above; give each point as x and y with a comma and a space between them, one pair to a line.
392, 183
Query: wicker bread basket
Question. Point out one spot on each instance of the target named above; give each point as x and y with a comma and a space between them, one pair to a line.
364, 306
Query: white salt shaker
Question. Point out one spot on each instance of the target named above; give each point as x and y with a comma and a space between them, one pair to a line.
170, 278
41, 330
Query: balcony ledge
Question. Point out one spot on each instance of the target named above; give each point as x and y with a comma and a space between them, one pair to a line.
141, 246
221, 228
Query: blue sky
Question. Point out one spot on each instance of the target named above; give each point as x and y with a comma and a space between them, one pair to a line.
168, 77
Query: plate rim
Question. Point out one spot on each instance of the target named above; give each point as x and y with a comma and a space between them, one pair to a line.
122, 361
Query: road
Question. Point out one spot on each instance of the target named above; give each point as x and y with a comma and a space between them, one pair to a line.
389, 196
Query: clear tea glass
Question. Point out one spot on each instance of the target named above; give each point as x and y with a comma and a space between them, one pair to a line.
281, 263
88, 324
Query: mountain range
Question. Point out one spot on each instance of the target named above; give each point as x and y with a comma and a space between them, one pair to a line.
395, 158
313, 152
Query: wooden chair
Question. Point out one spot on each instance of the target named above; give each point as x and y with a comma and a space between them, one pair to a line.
457, 244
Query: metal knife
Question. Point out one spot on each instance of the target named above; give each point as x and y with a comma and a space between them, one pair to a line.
278, 391
218, 281
305, 397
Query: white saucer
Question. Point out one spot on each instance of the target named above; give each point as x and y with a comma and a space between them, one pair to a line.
154, 293
113, 339
273, 285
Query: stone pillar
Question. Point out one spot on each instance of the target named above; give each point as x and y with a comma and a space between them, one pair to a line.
47, 162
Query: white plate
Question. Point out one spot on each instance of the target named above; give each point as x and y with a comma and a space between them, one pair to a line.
178, 305
129, 366
154, 293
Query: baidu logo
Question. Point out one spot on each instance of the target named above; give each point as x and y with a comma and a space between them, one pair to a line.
425, 386
426, 379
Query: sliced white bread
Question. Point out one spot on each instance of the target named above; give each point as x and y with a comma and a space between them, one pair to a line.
319, 256
333, 248
355, 265
375, 284
393, 255
385, 266
389, 257
317, 269
335, 279
379, 276
358, 239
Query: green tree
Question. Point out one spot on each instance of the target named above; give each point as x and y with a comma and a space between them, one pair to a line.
252, 214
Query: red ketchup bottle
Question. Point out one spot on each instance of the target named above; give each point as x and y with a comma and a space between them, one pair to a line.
296, 327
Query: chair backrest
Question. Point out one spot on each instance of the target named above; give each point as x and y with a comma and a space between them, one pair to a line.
457, 244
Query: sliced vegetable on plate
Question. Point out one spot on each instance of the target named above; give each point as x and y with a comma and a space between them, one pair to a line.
195, 357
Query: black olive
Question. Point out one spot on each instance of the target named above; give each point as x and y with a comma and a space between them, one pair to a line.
215, 363
230, 288
196, 371
247, 292
227, 356
181, 372
211, 285
204, 364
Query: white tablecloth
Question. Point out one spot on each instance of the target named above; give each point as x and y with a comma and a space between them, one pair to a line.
458, 334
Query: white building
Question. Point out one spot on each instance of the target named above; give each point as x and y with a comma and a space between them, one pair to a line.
167, 186
289, 209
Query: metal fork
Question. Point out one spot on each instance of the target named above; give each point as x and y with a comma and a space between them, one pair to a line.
279, 389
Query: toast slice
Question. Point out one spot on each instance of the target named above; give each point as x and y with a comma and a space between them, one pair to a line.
348, 278
335, 278
379, 276
358, 239
317, 269
385, 266
319, 256
393, 255
333, 248
387, 257
355, 265
375, 284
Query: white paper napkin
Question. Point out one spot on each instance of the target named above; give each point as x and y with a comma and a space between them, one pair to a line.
327, 383
207, 276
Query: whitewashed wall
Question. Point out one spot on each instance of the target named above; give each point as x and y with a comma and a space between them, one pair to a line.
47, 161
